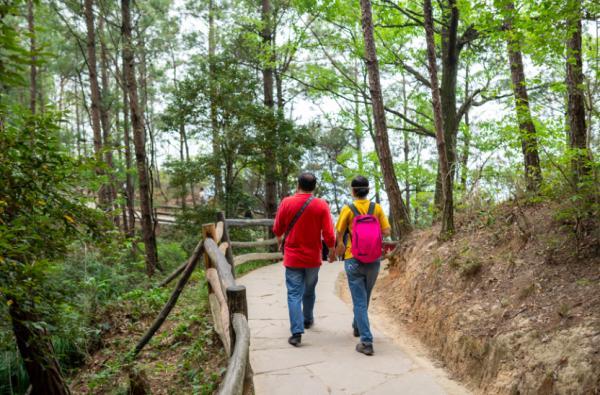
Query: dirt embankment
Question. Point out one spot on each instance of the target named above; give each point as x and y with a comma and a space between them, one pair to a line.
509, 305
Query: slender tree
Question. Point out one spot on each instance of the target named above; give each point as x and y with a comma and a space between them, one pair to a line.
95, 96
37, 352
270, 164
401, 223
107, 144
527, 132
446, 176
129, 181
33, 67
137, 120
575, 100
212, 45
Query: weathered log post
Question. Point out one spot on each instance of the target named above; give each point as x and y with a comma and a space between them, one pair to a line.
209, 231
226, 239
237, 303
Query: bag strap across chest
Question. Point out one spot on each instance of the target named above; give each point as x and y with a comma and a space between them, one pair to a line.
297, 217
356, 213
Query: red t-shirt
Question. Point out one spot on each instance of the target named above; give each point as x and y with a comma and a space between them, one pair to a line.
303, 244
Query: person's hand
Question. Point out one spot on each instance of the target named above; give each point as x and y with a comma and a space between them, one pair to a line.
331, 257
340, 249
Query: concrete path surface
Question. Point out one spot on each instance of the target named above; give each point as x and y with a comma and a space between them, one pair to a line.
327, 362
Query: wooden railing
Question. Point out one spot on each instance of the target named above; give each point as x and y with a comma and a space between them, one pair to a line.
227, 300
253, 256
229, 308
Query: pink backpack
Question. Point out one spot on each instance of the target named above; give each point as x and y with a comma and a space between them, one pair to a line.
366, 235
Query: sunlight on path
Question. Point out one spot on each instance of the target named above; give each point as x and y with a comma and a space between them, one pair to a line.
326, 363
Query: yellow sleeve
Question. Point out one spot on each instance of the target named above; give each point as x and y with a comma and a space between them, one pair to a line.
383, 220
343, 220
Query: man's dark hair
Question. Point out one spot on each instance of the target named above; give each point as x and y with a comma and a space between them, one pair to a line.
360, 185
307, 182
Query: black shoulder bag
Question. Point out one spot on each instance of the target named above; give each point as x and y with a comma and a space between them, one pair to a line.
294, 220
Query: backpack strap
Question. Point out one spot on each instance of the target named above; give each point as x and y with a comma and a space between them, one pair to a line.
354, 209
371, 208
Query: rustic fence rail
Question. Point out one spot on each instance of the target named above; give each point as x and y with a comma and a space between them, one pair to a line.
253, 256
227, 300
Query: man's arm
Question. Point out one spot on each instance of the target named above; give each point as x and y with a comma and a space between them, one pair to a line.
387, 232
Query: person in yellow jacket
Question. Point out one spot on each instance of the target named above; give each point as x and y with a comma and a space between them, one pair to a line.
361, 276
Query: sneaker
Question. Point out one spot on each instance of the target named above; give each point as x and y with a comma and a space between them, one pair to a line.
295, 340
364, 348
308, 324
356, 333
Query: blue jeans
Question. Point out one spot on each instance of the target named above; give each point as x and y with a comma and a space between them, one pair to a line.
361, 280
301, 296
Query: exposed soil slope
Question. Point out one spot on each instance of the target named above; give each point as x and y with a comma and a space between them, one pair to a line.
509, 304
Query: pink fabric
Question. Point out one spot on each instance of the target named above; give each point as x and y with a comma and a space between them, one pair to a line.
366, 238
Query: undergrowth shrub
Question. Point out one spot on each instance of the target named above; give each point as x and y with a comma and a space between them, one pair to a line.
89, 282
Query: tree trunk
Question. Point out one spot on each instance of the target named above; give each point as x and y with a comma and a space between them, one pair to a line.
575, 101
182, 159
464, 160
137, 118
406, 148
450, 57
446, 175
33, 67
129, 187
123, 201
212, 46
284, 168
270, 138
147, 109
78, 126
107, 144
37, 353
358, 133
401, 223
187, 158
94, 93
527, 132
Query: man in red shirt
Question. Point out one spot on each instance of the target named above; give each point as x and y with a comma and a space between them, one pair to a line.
302, 222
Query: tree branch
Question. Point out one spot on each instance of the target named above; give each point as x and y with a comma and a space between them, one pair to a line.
411, 70
423, 130
469, 35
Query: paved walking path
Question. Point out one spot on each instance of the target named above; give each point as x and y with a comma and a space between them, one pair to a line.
327, 363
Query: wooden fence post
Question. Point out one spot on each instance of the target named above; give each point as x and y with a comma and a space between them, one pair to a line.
237, 303
226, 239
208, 232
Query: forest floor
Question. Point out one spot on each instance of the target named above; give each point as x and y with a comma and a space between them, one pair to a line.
509, 305
184, 357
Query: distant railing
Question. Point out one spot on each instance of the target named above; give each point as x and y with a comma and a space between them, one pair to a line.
254, 256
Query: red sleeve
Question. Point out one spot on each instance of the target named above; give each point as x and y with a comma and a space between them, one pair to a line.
279, 226
327, 226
